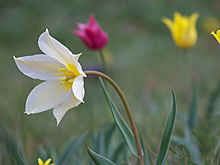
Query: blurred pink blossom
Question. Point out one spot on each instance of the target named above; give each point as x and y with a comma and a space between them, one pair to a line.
92, 34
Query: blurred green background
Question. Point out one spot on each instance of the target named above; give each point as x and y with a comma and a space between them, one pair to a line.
144, 62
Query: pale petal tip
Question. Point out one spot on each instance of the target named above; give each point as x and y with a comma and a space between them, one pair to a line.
166, 21
16, 59
80, 99
194, 17
176, 12
84, 75
58, 118
58, 121
196, 14
26, 112
47, 31
163, 18
78, 55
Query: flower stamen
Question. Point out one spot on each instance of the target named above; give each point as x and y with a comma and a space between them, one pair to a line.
59, 84
70, 81
70, 71
68, 87
67, 79
59, 74
62, 70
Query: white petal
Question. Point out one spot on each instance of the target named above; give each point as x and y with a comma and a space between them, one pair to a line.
78, 88
45, 96
52, 47
79, 68
39, 66
74, 61
61, 110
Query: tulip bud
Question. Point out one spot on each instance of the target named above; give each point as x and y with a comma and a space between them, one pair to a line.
183, 29
91, 34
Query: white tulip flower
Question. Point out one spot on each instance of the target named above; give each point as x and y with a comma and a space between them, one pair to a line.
63, 88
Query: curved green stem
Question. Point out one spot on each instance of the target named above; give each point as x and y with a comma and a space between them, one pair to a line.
128, 111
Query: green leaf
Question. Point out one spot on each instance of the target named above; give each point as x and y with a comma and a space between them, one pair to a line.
70, 149
109, 146
123, 127
165, 142
118, 150
98, 159
22, 155
51, 151
144, 151
149, 156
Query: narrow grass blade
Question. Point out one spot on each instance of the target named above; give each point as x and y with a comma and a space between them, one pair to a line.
98, 159
149, 156
51, 151
144, 151
120, 149
123, 127
22, 155
102, 143
109, 146
14, 149
70, 149
166, 138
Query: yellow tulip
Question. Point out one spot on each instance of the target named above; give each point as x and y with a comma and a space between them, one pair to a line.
217, 35
183, 29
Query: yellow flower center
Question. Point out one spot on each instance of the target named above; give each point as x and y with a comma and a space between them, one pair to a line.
68, 76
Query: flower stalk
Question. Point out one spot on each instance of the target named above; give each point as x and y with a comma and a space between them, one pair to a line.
102, 58
128, 111
186, 68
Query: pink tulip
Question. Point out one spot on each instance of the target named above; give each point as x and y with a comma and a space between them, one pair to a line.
91, 34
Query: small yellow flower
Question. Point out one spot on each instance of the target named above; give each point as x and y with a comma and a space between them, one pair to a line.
183, 29
40, 162
217, 35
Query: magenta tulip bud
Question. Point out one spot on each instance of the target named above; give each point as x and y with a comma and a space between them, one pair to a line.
91, 34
